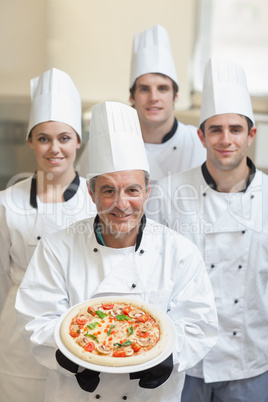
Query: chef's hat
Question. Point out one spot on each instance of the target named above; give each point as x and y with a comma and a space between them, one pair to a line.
55, 98
151, 53
115, 140
225, 90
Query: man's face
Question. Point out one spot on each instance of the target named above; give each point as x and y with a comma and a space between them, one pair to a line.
120, 199
226, 140
154, 99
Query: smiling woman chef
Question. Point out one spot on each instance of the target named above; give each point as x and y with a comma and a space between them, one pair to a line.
50, 200
119, 252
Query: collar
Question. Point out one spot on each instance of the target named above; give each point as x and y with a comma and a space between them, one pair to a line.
139, 236
211, 182
67, 195
171, 132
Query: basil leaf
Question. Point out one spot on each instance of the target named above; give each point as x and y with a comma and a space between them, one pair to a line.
126, 343
101, 314
93, 337
130, 330
122, 317
92, 325
110, 330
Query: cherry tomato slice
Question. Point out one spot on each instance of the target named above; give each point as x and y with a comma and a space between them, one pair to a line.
143, 334
89, 347
120, 353
81, 320
136, 347
143, 318
107, 306
126, 310
91, 311
74, 333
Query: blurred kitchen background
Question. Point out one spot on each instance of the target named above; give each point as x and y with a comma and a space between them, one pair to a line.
91, 40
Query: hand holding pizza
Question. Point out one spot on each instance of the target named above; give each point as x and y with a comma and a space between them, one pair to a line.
87, 379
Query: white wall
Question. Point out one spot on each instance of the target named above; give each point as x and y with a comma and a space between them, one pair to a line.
89, 39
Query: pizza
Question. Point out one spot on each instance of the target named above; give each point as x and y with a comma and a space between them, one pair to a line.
114, 332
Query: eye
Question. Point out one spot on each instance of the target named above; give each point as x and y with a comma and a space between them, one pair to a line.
134, 191
42, 139
65, 138
163, 89
236, 130
143, 89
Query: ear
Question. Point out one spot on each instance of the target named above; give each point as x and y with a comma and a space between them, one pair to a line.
30, 141
176, 98
131, 100
78, 145
251, 136
90, 193
201, 137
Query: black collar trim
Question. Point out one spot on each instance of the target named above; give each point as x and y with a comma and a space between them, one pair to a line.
211, 182
171, 132
139, 237
67, 195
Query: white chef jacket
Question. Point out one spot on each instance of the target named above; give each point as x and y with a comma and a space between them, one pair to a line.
181, 150
231, 231
22, 225
168, 272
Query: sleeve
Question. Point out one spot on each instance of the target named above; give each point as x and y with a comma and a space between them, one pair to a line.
193, 310
5, 279
41, 299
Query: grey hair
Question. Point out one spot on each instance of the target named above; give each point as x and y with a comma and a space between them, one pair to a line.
92, 181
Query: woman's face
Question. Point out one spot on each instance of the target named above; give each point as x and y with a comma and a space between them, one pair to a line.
55, 146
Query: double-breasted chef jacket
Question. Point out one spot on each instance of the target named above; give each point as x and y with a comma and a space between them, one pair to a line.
24, 221
180, 150
231, 231
167, 271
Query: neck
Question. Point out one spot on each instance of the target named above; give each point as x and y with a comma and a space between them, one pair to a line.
50, 188
154, 133
120, 240
230, 181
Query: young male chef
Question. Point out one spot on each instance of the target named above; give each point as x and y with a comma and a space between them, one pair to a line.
222, 207
119, 252
171, 146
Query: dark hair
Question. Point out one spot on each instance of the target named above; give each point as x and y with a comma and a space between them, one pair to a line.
174, 86
249, 123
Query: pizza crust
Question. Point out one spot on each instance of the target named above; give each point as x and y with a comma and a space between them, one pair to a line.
105, 360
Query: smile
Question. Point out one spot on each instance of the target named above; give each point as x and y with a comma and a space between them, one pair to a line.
121, 215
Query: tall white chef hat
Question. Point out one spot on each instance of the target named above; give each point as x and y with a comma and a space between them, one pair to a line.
151, 53
115, 140
225, 90
55, 98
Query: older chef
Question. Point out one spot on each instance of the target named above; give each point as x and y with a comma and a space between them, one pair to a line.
222, 207
53, 198
171, 146
119, 252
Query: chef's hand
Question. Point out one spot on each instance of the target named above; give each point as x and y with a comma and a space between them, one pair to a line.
154, 376
87, 379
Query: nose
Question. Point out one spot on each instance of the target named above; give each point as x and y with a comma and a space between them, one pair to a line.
54, 148
225, 138
153, 94
122, 201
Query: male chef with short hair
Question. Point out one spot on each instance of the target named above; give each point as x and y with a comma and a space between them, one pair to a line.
222, 207
171, 146
119, 252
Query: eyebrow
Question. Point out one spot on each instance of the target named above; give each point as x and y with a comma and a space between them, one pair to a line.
220, 126
110, 187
